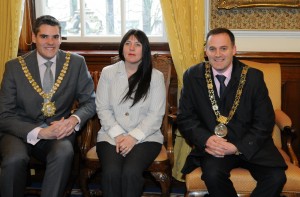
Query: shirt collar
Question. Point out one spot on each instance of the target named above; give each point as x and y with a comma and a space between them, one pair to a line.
227, 73
42, 60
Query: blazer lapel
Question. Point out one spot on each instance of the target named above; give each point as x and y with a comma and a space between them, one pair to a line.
60, 60
32, 65
234, 80
227, 101
200, 78
203, 84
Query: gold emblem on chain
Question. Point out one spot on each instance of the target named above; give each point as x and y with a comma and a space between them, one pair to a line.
48, 108
221, 129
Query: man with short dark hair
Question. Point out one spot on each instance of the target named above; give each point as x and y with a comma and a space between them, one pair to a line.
226, 114
36, 98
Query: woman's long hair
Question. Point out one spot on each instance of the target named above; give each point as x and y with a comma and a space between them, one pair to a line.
139, 82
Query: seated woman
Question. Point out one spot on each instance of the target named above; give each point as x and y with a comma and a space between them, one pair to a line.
130, 104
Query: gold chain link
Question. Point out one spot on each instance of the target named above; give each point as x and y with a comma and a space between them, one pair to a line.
56, 85
211, 94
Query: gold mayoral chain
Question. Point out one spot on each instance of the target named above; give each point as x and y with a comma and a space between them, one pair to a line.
221, 129
48, 108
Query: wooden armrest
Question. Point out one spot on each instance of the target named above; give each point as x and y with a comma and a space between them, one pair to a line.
288, 134
173, 110
88, 135
282, 119
171, 121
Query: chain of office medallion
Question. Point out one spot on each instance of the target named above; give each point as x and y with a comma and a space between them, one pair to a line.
220, 118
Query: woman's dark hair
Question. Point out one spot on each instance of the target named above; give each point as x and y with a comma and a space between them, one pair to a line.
221, 30
139, 82
45, 20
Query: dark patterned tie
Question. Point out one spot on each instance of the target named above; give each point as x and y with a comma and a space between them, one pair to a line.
48, 77
221, 79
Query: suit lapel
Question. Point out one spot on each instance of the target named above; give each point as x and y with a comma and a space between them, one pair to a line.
235, 78
201, 80
200, 77
231, 89
32, 65
60, 60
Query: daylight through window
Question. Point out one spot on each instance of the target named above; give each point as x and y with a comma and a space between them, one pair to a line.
104, 20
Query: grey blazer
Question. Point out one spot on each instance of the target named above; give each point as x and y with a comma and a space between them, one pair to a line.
20, 104
143, 120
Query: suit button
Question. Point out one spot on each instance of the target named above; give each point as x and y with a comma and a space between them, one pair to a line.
126, 114
250, 143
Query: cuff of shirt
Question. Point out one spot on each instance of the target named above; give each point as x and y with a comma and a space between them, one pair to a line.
137, 134
77, 127
115, 131
32, 136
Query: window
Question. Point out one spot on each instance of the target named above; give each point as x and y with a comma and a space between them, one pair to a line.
104, 20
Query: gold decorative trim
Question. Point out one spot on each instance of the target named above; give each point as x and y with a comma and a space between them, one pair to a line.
220, 118
254, 18
230, 4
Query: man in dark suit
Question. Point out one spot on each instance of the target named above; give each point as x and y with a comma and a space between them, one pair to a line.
227, 116
36, 100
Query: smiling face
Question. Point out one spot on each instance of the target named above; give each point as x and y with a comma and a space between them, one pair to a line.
132, 50
47, 40
220, 51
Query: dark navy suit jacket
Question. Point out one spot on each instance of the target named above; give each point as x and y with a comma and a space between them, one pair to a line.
250, 129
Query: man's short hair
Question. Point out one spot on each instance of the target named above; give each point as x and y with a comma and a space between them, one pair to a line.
45, 20
221, 30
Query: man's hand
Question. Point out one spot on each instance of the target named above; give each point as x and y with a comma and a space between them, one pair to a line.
124, 144
219, 147
49, 132
59, 129
65, 127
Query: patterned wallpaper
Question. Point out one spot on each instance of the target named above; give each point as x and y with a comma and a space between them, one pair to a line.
258, 18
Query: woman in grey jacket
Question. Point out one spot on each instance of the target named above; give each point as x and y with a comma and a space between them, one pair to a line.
130, 100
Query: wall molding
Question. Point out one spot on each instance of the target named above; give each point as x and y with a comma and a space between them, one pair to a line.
262, 40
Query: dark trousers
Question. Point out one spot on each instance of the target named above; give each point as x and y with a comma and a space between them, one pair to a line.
123, 176
216, 173
15, 155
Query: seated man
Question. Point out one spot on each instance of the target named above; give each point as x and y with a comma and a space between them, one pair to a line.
36, 97
226, 114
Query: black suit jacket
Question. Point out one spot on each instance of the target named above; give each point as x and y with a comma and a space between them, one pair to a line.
250, 129
20, 104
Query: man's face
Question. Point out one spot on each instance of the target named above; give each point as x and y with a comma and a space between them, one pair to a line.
47, 41
220, 51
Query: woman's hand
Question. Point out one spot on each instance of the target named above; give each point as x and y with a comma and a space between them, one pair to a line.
124, 144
